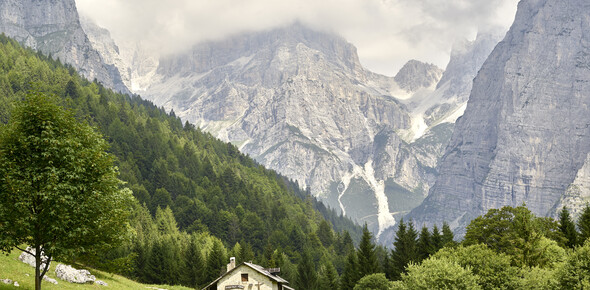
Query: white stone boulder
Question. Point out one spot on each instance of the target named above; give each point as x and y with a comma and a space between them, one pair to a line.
102, 283
72, 275
6, 281
30, 259
50, 280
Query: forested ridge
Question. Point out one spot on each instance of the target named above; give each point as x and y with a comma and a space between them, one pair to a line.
198, 199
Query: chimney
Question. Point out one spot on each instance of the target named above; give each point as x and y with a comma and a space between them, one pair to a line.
232, 264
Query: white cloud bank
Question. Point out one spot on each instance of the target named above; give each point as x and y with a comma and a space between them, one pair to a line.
387, 33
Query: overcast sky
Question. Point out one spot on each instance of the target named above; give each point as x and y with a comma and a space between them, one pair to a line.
387, 33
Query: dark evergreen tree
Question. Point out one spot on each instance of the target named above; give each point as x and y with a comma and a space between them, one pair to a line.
424, 244
584, 224
448, 238
388, 265
325, 233
344, 244
162, 267
216, 262
405, 250
267, 255
436, 238
351, 273
328, 276
246, 253
366, 254
568, 228
306, 273
72, 89
194, 266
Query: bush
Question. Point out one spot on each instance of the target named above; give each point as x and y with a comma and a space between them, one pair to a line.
436, 273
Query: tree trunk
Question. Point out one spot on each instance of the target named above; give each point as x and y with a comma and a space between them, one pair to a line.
37, 267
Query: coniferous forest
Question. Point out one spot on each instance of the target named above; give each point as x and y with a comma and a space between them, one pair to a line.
199, 201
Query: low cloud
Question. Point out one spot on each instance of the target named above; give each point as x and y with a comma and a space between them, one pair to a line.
387, 33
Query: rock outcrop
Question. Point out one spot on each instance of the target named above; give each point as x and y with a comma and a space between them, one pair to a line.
50, 280
10, 282
53, 27
136, 64
525, 135
415, 75
30, 259
72, 275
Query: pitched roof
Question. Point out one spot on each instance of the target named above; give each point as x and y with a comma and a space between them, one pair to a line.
266, 273
255, 267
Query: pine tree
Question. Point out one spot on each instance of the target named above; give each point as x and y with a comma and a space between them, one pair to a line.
194, 266
351, 273
162, 267
267, 260
345, 244
366, 254
246, 253
584, 224
325, 233
306, 273
424, 244
216, 262
448, 238
568, 228
388, 265
328, 276
405, 249
436, 239
235, 252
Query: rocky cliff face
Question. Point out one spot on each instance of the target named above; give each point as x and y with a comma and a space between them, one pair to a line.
53, 27
525, 135
299, 101
136, 64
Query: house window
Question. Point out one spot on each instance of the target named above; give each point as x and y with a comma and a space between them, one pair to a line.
245, 277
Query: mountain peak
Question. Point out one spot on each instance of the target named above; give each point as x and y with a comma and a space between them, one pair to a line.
266, 44
416, 74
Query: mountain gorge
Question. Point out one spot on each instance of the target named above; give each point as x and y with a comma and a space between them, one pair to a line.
524, 137
298, 100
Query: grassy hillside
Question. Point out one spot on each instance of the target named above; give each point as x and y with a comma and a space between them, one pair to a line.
13, 269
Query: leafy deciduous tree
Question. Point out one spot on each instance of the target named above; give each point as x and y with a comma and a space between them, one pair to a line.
575, 272
438, 274
59, 190
376, 281
493, 269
